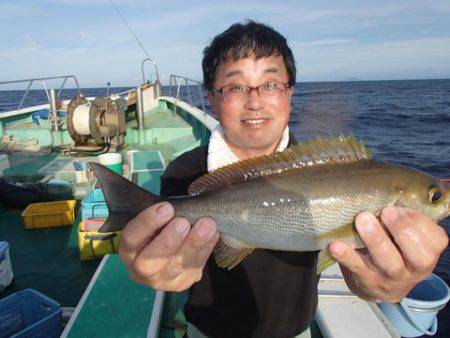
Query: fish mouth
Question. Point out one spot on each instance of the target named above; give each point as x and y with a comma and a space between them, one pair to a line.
447, 204
444, 216
447, 200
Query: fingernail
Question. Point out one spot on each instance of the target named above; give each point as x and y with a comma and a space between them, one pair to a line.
364, 222
181, 227
163, 210
389, 213
206, 230
336, 248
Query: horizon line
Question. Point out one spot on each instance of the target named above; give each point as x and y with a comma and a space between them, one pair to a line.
297, 82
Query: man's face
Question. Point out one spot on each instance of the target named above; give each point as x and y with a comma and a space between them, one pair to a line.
253, 125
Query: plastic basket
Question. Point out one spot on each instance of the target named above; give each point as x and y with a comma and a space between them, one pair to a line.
94, 205
29, 313
49, 214
93, 244
6, 273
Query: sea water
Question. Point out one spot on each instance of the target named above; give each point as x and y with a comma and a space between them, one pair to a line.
405, 122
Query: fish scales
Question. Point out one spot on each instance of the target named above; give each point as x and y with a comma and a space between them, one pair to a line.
298, 200
288, 211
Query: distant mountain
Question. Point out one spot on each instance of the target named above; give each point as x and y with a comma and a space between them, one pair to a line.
353, 78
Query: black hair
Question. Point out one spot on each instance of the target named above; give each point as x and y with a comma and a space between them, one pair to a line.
241, 41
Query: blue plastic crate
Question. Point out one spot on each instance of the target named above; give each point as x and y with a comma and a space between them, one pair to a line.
6, 273
94, 205
29, 313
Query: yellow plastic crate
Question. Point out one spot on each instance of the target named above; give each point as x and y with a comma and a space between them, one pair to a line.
93, 244
49, 214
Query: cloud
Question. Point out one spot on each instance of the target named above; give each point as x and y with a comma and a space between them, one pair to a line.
14, 10
330, 40
86, 36
423, 58
95, 65
92, 3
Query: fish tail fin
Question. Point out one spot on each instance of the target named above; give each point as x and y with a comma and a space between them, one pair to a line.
123, 198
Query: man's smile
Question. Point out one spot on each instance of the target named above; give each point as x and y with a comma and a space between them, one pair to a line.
255, 121
253, 125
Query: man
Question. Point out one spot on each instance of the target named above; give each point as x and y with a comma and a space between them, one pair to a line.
249, 72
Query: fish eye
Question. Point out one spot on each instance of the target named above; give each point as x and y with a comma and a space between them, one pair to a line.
434, 195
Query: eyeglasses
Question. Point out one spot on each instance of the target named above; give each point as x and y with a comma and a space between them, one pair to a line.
239, 92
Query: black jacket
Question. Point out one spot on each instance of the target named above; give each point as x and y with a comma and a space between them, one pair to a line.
269, 294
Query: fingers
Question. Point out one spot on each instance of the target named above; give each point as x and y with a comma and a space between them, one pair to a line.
416, 248
350, 258
362, 276
429, 229
383, 251
142, 227
153, 256
195, 250
398, 259
174, 259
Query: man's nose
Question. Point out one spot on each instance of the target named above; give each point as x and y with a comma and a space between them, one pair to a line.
254, 100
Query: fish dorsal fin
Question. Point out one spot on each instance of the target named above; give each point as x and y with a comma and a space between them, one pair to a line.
320, 151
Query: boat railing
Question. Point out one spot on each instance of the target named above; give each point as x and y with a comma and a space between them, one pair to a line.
178, 80
126, 92
144, 79
44, 81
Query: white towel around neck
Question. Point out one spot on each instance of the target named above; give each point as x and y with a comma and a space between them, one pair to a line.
220, 154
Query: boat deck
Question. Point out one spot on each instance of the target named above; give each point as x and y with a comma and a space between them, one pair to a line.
48, 259
110, 292
45, 259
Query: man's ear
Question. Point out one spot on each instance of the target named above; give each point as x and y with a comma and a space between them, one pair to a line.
290, 91
212, 104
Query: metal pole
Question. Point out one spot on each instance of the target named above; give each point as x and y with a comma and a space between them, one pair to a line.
155, 319
171, 80
200, 94
53, 112
189, 92
139, 108
25, 95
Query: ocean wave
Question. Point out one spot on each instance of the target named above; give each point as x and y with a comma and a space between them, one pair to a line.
314, 92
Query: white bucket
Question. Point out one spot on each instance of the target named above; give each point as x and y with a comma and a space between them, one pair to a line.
81, 176
113, 161
416, 314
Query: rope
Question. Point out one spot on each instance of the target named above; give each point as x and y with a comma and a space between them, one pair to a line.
131, 30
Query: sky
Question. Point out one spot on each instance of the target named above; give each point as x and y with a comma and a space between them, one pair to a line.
331, 40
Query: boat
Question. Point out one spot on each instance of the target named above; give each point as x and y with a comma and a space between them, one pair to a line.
43, 147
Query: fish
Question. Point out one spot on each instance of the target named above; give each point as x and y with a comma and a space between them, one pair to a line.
299, 199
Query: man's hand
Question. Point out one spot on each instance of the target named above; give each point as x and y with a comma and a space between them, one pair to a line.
164, 252
402, 252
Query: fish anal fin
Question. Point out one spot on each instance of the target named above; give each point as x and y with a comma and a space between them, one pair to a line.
324, 261
229, 252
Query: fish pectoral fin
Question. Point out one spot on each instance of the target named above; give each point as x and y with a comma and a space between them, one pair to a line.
344, 231
229, 252
324, 261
